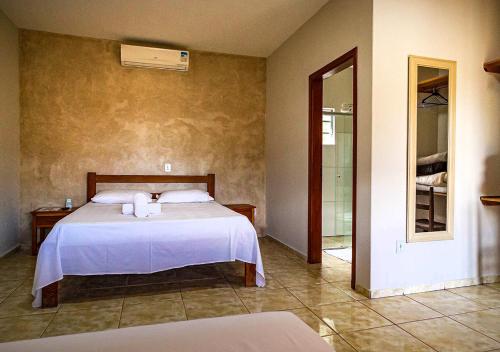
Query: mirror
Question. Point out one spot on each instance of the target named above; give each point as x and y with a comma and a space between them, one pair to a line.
431, 125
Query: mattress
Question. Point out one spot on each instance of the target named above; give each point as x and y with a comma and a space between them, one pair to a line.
263, 332
97, 239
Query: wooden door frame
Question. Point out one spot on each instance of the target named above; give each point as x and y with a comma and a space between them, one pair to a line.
314, 248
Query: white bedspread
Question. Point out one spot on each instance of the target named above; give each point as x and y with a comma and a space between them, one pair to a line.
97, 239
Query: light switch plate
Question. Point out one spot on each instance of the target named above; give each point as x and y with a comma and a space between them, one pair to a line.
168, 167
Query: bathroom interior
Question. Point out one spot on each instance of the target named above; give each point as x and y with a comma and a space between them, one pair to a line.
337, 164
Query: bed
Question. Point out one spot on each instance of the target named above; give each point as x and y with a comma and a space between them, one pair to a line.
97, 239
273, 331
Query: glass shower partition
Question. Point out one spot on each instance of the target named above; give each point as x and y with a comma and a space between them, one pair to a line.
337, 178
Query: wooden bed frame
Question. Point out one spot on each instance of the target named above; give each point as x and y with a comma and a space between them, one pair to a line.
50, 294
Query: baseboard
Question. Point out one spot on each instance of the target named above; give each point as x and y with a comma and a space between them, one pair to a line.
291, 249
10, 250
379, 293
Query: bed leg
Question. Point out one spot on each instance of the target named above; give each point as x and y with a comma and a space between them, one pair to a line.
250, 275
50, 296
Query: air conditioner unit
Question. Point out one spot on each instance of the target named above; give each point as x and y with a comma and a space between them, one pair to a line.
166, 59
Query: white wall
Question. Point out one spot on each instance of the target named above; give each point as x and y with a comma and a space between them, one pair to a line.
461, 30
337, 28
9, 135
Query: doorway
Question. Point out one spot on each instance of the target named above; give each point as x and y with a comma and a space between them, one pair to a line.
332, 161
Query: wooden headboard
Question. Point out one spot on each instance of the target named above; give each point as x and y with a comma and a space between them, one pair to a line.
93, 179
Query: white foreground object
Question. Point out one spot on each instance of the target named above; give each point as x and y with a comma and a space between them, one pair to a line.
272, 331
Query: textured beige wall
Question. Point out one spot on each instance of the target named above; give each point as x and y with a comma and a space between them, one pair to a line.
82, 111
9, 135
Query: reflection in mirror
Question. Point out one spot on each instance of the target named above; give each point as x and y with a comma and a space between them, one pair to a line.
430, 149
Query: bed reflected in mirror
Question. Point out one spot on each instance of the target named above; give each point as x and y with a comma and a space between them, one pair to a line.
430, 144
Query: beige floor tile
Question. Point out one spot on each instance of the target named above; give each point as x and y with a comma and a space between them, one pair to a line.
401, 309
262, 301
152, 313
7, 287
21, 305
23, 289
204, 284
141, 299
92, 304
336, 273
271, 284
338, 344
297, 278
319, 294
23, 328
482, 294
386, 339
213, 306
153, 291
495, 285
486, 322
446, 302
224, 292
313, 321
16, 273
445, 334
345, 286
349, 316
79, 321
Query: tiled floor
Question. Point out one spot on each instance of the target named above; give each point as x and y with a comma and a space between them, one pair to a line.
462, 319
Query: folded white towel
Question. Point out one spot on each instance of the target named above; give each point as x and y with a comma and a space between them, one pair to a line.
154, 209
127, 209
140, 205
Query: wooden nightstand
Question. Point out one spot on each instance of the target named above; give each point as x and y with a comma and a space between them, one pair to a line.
244, 209
43, 219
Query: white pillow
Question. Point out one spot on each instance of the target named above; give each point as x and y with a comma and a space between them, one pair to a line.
184, 196
120, 196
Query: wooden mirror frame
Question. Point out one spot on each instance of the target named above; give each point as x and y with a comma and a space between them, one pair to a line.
413, 63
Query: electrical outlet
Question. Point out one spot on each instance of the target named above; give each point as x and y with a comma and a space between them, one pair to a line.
168, 167
400, 246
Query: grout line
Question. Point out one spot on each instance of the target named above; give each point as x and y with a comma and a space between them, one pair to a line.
418, 339
463, 324
121, 313
448, 315
50, 322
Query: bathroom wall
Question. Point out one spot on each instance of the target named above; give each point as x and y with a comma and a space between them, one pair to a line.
82, 111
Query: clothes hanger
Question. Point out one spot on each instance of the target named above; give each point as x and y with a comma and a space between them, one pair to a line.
434, 99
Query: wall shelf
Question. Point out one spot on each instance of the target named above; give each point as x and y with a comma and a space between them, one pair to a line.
428, 85
490, 200
492, 66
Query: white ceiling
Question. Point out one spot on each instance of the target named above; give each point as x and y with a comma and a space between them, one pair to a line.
245, 27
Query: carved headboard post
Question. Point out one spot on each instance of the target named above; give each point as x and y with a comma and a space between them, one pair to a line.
91, 185
211, 185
